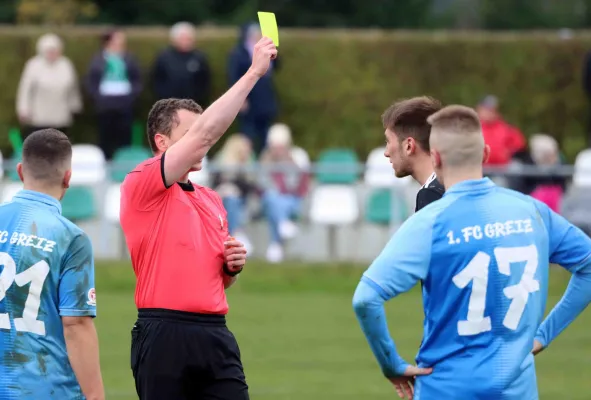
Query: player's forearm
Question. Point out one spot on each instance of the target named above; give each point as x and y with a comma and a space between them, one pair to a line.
229, 281
576, 298
369, 308
218, 117
83, 352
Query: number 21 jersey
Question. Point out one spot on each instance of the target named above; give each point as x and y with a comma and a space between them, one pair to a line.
46, 272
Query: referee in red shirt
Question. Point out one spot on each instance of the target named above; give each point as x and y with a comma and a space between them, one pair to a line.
182, 254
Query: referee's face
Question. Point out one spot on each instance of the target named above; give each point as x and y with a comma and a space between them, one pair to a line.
395, 153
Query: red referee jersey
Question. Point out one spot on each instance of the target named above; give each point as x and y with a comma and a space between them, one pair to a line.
176, 239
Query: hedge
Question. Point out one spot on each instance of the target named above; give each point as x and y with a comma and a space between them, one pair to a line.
334, 85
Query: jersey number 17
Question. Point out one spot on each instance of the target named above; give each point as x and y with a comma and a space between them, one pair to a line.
477, 272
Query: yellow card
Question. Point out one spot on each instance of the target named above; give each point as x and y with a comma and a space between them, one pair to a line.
269, 26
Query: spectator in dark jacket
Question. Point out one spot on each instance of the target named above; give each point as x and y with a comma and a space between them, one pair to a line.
113, 82
181, 71
260, 108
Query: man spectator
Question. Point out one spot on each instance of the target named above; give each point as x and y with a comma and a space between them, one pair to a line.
260, 108
113, 81
503, 139
181, 71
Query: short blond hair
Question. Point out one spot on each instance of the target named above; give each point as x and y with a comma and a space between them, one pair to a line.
456, 134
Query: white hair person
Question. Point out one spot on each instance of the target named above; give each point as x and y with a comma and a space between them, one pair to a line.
543, 149
181, 28
49, 43
279, 136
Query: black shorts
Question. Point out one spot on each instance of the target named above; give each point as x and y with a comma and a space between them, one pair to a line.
177, 355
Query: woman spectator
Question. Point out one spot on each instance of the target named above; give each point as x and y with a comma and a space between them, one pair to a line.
550, 187
285, 183
48, 93
113, 82
235, 182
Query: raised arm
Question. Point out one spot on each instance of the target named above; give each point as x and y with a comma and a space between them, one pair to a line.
570, 248
214, 122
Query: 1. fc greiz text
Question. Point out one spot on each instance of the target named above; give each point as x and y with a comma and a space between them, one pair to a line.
491, 231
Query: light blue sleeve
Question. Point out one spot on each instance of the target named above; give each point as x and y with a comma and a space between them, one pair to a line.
77, 296
403, 262
570, 248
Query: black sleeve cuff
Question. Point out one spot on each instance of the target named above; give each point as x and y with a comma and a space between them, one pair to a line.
230, 273
162, 171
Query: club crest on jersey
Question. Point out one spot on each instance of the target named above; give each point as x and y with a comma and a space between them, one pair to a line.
91, 297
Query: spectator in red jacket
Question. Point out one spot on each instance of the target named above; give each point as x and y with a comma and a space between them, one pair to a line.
504, 139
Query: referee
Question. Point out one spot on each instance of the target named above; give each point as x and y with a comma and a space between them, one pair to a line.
182, 254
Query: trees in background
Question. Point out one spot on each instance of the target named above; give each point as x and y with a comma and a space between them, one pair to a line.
400, 14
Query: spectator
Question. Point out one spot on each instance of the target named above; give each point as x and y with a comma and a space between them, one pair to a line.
550, 187
113, 81
181, 71
260, 108
504, 140
283, 189
48, 93
234, 183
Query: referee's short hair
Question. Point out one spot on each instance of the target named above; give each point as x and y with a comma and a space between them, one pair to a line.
47, 156
163, 117
408, 118
456, 133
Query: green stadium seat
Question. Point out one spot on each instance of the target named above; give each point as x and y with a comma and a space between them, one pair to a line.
125, 159
341, 167
379, 207
78, 204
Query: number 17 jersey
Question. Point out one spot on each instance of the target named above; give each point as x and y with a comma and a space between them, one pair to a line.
46, 273
483, 254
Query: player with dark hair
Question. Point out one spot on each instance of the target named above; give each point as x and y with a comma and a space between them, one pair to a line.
482, 253
182, 255
47, 334
407, 145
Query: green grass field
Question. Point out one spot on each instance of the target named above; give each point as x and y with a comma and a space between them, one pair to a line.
300, 339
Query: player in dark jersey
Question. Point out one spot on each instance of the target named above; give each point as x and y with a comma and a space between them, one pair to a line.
407, 145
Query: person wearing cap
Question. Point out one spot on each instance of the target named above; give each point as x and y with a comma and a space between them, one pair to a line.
504, 140
181, 71
260, 108
48, 94
284, 183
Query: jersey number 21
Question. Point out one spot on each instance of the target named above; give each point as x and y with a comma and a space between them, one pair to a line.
477, 272
35, 275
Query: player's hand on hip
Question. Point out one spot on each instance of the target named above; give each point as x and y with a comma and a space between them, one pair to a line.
538, 347
404, 384
264, 52
234, 255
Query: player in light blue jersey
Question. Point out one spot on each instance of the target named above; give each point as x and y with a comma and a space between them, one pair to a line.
482, 254
48, 343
